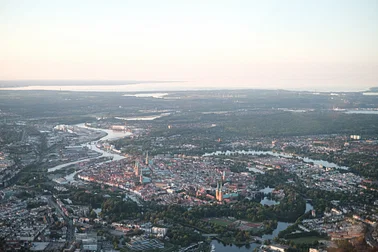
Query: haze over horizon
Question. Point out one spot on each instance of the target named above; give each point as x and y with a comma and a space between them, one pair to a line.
148, 86
296, 45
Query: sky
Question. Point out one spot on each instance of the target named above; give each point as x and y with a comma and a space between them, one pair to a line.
291, 44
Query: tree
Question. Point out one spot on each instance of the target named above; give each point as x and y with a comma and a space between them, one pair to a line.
92, 214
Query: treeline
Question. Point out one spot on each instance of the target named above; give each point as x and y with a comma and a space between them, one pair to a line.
86, 198
290, 208
321, 199
360, 163
248, 125
183, 236
273, 178
9, 134
264, 123
115, 209
296, 124
368, 168
289, 233
193, 219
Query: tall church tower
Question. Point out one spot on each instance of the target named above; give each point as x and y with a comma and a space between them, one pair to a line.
136, 168
147, 158
219, 192
141, 177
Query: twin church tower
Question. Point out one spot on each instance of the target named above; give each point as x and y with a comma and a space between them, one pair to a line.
138, 170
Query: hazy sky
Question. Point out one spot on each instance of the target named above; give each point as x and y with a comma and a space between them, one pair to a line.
268, 44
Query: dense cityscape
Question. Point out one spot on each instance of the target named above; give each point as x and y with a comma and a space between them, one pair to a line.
189, 126
251, 170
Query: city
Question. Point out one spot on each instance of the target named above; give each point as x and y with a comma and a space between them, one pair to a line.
175, 183
189, 126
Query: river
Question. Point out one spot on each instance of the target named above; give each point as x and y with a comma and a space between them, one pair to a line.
143, 118
276, 154
111, 135
366, 112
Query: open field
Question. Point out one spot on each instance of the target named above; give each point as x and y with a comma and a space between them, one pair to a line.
246, 225
220, 221
239, 224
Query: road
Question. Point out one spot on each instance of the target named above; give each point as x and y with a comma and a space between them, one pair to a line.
70, 227
369, 238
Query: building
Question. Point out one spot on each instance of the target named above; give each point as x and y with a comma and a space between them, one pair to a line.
119, 127
142, 244
219, 192
137, 170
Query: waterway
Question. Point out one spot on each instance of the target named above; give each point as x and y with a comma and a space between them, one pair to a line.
219, 247
267, 190
146, 95
143, 118
269, 202
265, 200
111, 135
367, 112
309, 207
277, 154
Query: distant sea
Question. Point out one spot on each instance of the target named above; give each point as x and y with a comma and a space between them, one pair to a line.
154, 86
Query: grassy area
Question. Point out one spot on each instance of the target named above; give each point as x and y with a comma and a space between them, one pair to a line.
221, 222
309, 239
255, 230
